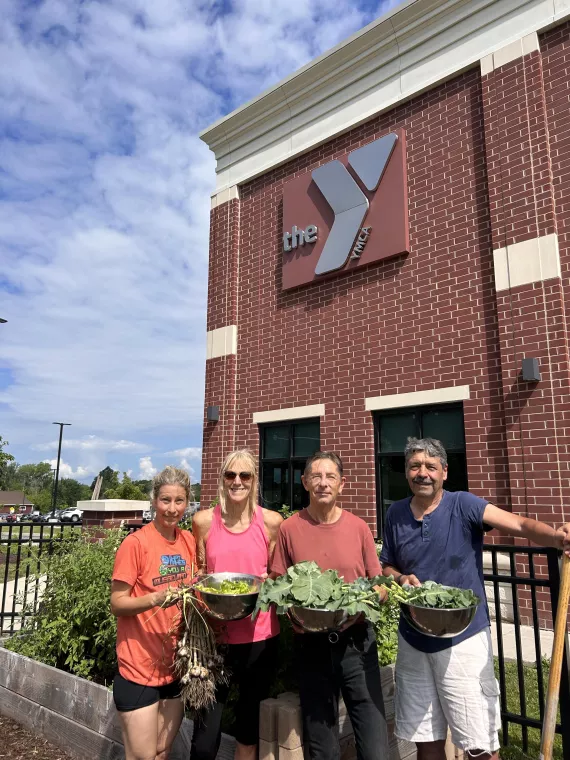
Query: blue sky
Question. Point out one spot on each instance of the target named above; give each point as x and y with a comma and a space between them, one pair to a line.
104, 210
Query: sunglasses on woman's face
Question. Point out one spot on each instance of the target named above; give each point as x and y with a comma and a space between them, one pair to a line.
245, 477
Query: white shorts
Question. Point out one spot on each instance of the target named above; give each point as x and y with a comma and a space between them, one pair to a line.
455, 687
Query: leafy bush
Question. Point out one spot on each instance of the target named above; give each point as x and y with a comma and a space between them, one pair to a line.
74, 629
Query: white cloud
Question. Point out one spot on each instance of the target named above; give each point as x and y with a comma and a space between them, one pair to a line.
104, 203
146, 468
191, 452
185, 465
67, 471
95, 443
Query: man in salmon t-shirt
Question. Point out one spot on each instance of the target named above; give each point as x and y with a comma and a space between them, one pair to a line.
346, 662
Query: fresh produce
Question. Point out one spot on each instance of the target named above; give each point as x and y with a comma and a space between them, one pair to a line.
197, 663
306, 585
235, 588
436, 596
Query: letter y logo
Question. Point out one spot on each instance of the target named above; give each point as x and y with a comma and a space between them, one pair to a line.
346, 199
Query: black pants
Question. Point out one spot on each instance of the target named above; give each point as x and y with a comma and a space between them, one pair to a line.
349, 666
252, 668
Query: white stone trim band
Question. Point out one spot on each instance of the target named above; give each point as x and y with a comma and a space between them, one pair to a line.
113, 505
510, 52
523, 263
221, 342
405, 52
418, 398
292, 413
229, 194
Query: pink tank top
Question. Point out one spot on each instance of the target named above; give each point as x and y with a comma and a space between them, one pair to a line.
246, 552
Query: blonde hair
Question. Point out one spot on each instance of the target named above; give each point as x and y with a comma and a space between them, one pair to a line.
247, 456
171, 476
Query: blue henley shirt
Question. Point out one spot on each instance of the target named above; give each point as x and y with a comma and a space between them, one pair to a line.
445, 547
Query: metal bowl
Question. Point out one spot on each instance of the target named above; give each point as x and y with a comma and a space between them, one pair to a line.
228, 606
438, 623
318, 621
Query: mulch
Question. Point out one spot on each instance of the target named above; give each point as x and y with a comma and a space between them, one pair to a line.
19, 744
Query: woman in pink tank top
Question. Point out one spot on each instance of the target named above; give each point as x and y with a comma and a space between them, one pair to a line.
238, 536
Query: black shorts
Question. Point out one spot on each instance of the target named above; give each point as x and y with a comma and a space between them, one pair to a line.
252, 668
132, 696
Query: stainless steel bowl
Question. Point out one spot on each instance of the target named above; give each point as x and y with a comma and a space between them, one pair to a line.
441, 624
228, 606
318, 621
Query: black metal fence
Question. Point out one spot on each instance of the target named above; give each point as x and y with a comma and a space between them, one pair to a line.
533, 579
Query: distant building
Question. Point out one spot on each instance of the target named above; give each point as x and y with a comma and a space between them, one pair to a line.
14, 501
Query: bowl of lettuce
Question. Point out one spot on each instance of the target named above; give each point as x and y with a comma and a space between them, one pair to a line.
227, 596
436, 610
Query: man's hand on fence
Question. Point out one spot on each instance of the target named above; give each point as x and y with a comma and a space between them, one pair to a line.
563, 536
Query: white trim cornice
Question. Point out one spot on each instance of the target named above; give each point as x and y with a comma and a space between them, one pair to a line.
401, 54
291, 413
417, 398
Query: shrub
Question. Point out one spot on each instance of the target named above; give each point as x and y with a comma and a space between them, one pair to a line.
73, 629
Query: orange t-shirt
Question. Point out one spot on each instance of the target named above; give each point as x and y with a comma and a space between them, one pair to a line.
145, 642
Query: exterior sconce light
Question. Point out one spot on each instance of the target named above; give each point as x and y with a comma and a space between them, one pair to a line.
213, 413
530, 371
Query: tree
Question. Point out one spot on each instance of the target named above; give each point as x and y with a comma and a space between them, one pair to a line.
5, 460
195, 491
34, 477
144, 485
126, 490
110, 479
70, 491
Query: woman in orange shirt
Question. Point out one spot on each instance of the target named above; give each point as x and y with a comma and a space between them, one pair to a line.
148, 562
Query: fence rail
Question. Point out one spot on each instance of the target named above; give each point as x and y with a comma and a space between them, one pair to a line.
532, 573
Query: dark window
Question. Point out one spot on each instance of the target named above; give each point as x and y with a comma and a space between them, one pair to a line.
392, 430
284, 450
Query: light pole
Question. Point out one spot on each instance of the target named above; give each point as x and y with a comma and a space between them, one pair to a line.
61, 426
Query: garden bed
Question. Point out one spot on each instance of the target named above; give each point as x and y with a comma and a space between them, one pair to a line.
72, 713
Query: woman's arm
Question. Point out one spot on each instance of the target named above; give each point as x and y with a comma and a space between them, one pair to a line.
271, 520
201, 523
125, 605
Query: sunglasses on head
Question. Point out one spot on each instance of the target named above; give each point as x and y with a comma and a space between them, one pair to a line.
245, 477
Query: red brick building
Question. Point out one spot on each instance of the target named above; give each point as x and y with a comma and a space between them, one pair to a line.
427, 336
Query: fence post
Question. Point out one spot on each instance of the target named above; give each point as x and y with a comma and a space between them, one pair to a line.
564, 699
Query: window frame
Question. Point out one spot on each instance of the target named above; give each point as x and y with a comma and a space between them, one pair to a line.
419, 410
291, 461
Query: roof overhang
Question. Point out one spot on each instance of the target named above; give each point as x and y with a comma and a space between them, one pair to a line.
403, 53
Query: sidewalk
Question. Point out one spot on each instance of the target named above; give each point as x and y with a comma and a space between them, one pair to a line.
527, 642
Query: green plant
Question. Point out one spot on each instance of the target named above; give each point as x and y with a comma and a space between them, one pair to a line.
73, 628
305, 584
286, 511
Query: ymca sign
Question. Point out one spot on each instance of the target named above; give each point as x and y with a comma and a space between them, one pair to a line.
346, 214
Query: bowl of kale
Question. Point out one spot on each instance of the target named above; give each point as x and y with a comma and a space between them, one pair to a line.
436, 610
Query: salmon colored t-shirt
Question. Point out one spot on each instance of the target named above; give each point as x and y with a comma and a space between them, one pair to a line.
346, 546
149, 562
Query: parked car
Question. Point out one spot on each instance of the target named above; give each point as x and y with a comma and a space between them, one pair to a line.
147, 515
48, 518
73, 515
35, 517
11, 518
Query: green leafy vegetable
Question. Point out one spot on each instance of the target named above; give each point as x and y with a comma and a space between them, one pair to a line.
436, 596
306, 585
234, 588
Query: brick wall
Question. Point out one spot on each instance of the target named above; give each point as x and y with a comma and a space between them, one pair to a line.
486, 168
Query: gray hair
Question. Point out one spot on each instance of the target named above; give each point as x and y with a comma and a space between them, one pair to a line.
430, 446
318, 455
171, 476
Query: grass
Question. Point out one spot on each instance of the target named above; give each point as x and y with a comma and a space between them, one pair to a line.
514, 749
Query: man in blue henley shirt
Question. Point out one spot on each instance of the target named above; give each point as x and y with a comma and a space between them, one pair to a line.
438, 535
